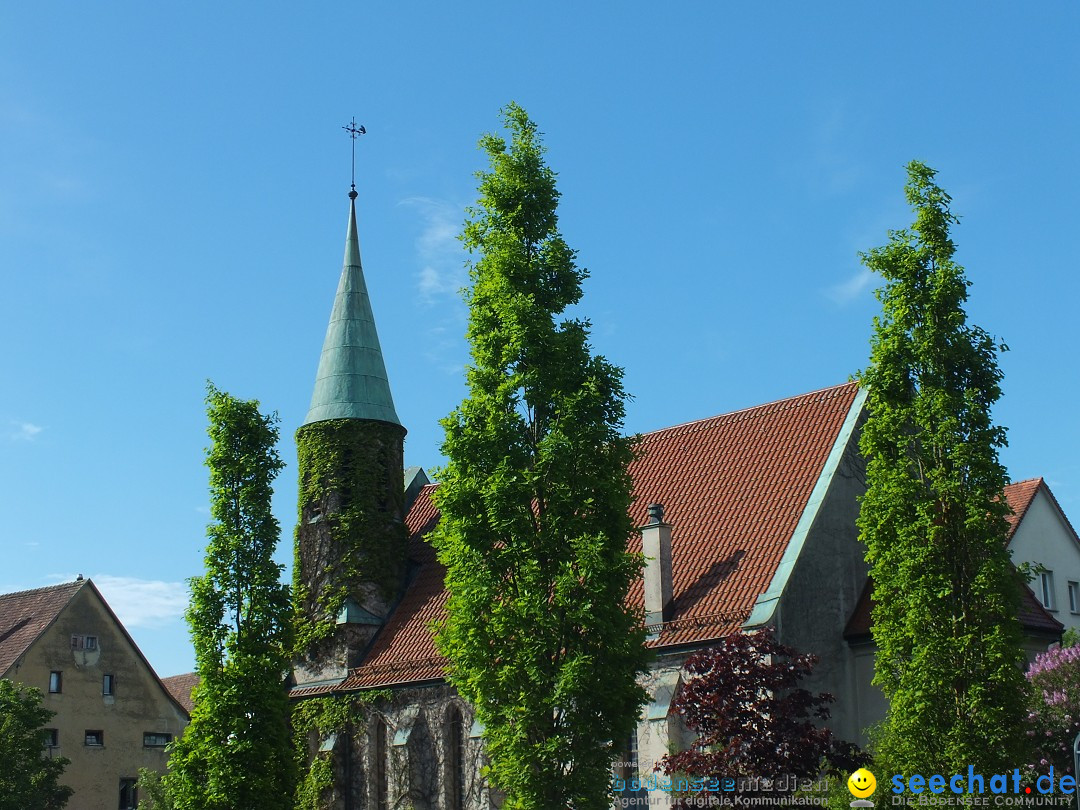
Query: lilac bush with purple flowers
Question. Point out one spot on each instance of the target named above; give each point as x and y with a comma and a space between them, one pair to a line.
1054, 718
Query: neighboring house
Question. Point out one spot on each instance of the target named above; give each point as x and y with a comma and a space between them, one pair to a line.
748, 520
113, 715
1041, 631
182, 688
1041, 536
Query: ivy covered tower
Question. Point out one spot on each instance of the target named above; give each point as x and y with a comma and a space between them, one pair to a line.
350, 538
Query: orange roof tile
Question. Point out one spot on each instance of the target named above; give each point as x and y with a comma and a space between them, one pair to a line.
25, 615
1019, 496
181, 687
1022, 494
733, 487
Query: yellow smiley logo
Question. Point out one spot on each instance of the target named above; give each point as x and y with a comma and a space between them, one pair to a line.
861, 783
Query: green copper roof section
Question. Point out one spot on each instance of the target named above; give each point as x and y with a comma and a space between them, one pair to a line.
351, 382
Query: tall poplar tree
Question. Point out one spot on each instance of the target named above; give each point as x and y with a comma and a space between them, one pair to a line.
534, 504
237, 754
933, 517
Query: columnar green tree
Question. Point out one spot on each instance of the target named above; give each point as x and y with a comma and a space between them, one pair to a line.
933, 517
236, 754
29, 777
534, 504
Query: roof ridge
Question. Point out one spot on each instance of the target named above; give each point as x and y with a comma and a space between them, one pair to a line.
833, 390
1031, 480
57, 587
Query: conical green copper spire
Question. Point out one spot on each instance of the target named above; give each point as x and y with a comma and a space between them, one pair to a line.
351, 382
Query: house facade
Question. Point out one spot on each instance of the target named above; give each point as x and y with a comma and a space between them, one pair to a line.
747, 520
1041, 536
112, 716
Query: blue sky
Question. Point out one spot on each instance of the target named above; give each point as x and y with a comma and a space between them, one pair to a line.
173, 209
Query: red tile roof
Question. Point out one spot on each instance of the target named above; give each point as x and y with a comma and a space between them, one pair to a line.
181, 687
1020, 495
25, 615
733, 488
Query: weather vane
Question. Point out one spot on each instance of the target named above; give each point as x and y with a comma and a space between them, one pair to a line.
354, 132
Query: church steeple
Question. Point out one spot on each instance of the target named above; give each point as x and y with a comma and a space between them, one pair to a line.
351, 382
350, 536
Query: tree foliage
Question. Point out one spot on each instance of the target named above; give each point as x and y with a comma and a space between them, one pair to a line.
751, 717
534, 503
237, 753
933, 517
1054, 716
29, 777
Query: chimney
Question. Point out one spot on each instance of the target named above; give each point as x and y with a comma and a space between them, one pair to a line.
656, 545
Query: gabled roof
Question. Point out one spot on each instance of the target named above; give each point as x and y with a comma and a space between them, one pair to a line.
1020, 497
25, 615
734, 488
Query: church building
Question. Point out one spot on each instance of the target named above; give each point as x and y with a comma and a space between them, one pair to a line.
747, 520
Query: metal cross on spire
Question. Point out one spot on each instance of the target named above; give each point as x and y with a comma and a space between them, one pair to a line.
354, 133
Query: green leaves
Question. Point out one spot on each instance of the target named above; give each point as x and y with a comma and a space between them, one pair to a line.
29, 777
534, 504
946, 595
236, 753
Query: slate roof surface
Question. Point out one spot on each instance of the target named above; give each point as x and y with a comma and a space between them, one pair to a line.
733, 488
25, 615
180, 687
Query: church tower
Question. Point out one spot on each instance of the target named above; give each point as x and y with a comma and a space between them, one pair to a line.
350, 538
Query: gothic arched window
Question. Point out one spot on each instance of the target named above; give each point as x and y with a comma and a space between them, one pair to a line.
382, 767
455, 750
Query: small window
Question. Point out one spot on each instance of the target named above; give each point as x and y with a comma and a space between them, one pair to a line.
1046, 589
56, 682
52, 738
156, 739
95, 738
107, 683
88, 643
129, 799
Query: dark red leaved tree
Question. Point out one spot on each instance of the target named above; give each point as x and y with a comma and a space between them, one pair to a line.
751, 717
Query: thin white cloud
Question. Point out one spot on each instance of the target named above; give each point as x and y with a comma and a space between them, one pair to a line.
23, 431
146, 603
442, 260
847, 291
